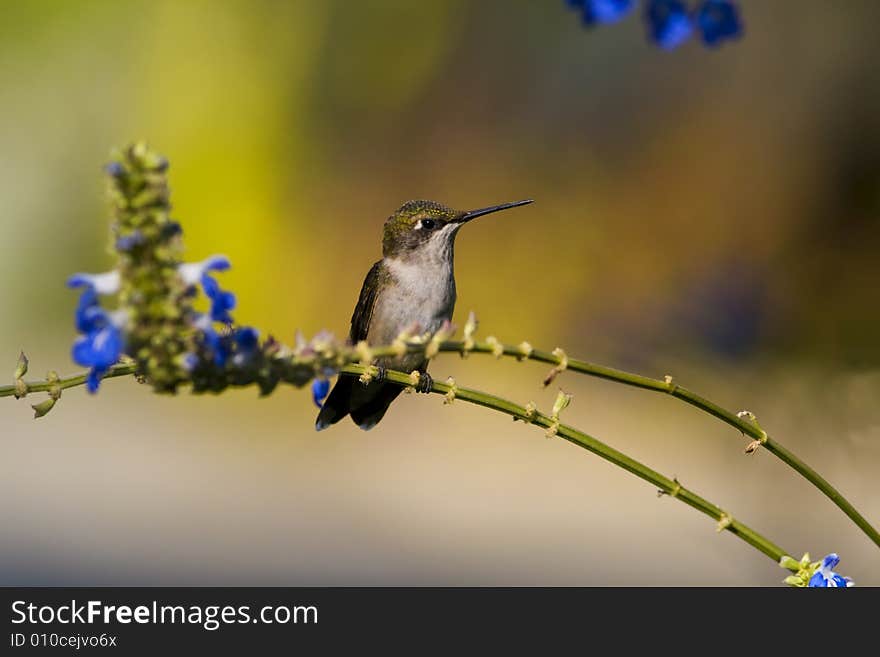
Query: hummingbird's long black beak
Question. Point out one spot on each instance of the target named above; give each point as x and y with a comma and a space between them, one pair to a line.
473, 214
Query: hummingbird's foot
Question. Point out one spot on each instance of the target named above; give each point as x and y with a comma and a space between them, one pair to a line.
381, 373
425, 383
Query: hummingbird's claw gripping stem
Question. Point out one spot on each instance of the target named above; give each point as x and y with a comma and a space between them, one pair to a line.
426, 383
381, 373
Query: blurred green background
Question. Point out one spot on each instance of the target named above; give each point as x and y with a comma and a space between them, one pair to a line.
710, 215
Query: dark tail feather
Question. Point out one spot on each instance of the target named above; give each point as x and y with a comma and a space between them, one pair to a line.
338, 403
368, 414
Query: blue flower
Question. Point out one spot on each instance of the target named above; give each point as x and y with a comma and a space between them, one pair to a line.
320, 389
89, 315
98, 350
211, 338
602, 11
719, 21
826, 577
222, 301
247, 342
192, 272
105, 283
241, 344
669, 23
246, 339
102, 342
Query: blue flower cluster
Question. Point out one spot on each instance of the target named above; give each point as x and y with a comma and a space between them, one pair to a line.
670, 22
103, 334
103, 340
826, 577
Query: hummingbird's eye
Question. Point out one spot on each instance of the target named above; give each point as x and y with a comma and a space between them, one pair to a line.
427, 224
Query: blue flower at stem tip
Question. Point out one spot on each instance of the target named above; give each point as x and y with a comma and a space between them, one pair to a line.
222, 301
602, 11
826, 577
320, 390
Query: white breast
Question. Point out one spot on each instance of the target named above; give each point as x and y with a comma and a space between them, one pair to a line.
417, 293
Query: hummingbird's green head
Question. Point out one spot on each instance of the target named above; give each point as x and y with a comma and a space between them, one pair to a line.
428, 227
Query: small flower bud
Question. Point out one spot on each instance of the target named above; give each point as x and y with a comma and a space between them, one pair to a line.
560, 367
153, 160
496, 346
563, 399
299, 342
450, 394
21, 367
753, 446
363, 352
399, 347
400, 343
323, 342
470, 327
43, 407
370, 373
676, 489
525, 350
789, 563
21, 388
274, 349
723, 522
446, 331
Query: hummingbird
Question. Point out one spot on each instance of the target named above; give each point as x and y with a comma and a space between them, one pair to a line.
411, 288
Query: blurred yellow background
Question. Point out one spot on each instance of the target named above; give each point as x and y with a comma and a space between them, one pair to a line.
710, 215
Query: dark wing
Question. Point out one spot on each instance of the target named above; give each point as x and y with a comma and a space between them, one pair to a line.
363, 312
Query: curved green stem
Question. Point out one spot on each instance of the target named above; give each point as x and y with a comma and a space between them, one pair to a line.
665, 485
671, 388
668, 486
668, 386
